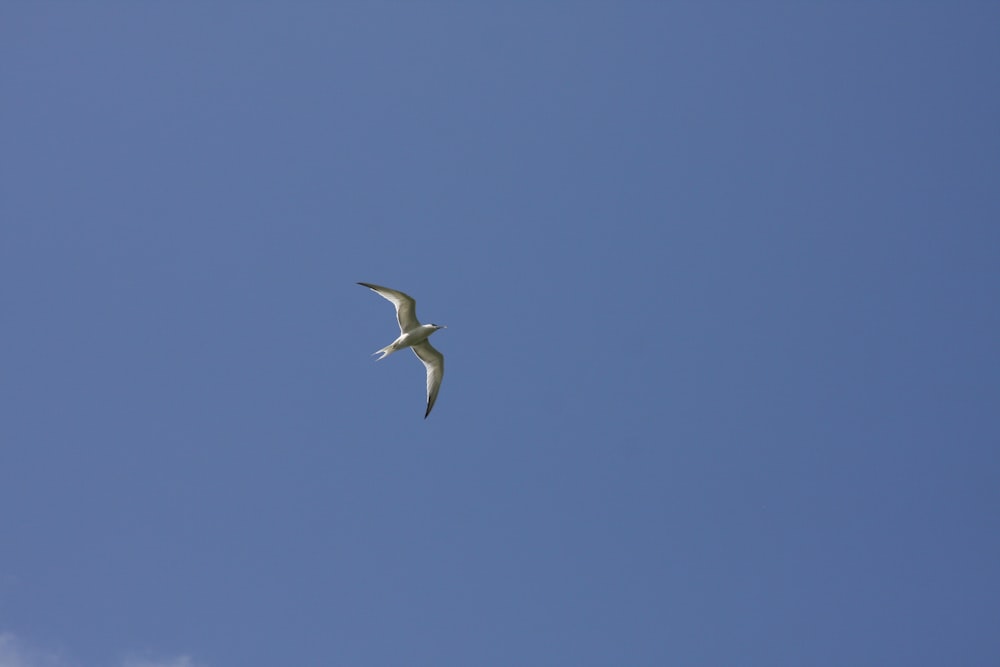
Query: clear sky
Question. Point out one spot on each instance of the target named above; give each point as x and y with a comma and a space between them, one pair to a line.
722, 287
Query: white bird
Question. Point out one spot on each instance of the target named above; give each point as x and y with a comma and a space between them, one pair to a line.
413, 334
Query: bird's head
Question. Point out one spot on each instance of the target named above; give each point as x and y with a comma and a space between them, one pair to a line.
437, 326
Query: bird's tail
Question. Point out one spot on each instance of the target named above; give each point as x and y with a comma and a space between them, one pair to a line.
384, 352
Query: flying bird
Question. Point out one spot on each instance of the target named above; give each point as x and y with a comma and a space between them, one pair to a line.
414, 335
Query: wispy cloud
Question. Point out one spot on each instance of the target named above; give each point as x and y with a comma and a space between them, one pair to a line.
15, 653
179, 661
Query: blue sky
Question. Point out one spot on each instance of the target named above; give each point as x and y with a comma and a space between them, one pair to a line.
722, 285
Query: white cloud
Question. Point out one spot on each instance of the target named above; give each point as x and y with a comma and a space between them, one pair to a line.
179, 661
15, 653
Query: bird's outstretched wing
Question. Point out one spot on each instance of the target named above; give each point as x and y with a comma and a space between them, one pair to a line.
406, 307
434, 362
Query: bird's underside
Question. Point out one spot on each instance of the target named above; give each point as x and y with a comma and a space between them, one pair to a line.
414, 335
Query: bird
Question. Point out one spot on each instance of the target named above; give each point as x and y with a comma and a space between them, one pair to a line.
414, 335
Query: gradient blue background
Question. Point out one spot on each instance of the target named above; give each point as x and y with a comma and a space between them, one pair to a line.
722, 284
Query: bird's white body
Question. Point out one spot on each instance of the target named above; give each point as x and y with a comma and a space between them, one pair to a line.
408, 339
413, 334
